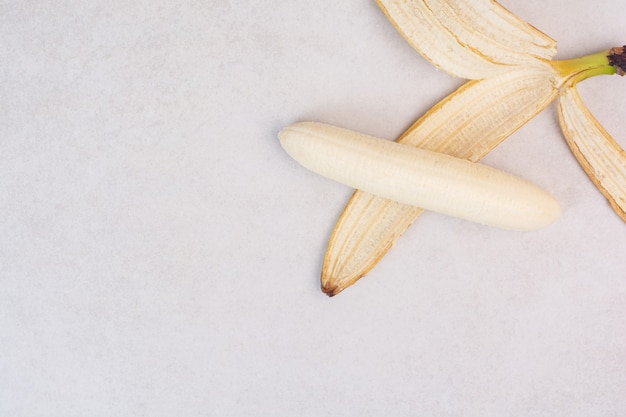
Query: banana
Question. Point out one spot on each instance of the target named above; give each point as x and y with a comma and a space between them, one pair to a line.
512, 78
418, 177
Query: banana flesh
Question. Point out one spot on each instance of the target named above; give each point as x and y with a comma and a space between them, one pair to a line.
419, 177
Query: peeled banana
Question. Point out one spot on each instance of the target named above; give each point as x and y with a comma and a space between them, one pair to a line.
419, 177
512, 78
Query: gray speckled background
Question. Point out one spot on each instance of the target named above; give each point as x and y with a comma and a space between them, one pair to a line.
160, 253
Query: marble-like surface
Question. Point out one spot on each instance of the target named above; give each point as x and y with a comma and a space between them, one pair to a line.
160, 253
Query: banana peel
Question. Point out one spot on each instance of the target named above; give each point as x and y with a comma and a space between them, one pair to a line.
512, 79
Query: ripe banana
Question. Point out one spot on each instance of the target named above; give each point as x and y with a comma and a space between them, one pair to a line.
418, 177
512, 79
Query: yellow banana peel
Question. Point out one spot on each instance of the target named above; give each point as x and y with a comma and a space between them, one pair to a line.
512, 78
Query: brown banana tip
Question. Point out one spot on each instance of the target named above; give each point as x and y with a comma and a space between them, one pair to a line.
331, 290
617, 58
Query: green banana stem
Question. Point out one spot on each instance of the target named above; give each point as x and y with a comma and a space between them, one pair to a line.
612, 61
592, 72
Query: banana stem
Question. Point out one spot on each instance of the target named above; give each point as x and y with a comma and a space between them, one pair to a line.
586, 64
592, 72
611, 61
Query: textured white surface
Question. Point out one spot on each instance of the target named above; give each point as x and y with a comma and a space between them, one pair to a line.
160, 253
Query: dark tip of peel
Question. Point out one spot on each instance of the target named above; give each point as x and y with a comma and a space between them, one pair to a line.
331, 291
617, 58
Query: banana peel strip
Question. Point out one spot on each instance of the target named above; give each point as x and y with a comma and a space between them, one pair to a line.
598, 154
471, 40
467, 124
